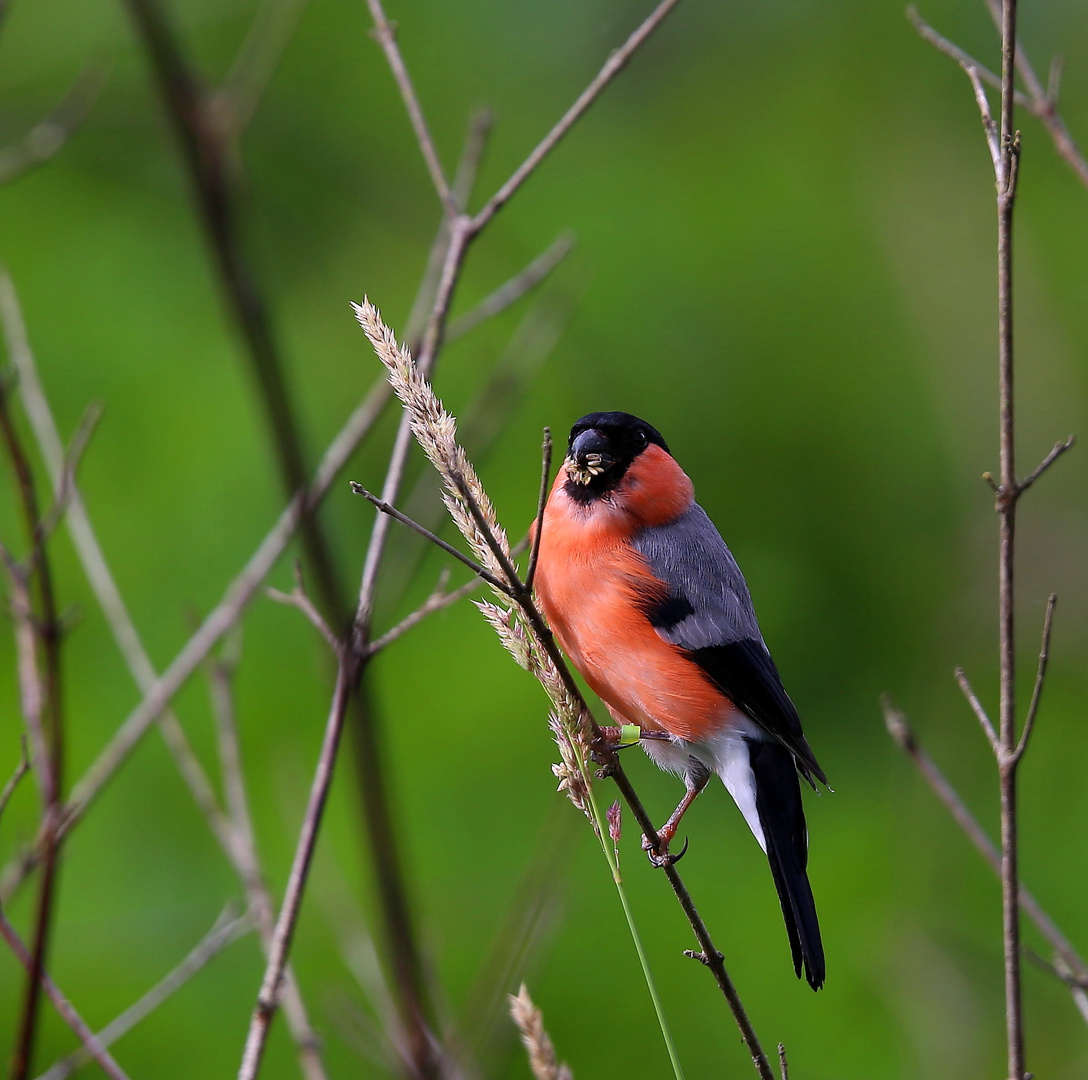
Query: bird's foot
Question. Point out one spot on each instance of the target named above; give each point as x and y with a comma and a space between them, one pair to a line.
659, 854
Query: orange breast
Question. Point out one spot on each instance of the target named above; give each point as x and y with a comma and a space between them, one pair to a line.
593, 587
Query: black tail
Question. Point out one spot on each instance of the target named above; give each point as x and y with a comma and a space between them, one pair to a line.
778, 803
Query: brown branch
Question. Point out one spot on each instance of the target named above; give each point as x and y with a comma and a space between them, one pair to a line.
964, 59
783, 1065
541, 502
1040, 676
49, 135
437, 601
426, 533
980, 713
63, 1006
227, 929
21, 770
1042, 103
612, 67
299, 599
45, 722
207, 162
1056, 452
247, 863
1045, 104
269, 995
904, 737
265, 42
386, 35
513, 290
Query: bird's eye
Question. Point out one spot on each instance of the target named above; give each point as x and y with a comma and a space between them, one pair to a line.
640, 439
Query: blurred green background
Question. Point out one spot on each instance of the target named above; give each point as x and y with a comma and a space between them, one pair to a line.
785, 230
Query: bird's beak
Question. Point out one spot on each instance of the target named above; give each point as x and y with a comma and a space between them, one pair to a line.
590, 455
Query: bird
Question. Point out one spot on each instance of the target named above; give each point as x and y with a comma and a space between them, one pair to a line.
647, 601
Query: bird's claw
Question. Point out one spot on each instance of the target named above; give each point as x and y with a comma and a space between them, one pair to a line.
659, 854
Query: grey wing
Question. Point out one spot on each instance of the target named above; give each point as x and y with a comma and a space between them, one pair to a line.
708, 612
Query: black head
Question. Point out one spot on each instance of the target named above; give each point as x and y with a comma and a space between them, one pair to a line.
602, 446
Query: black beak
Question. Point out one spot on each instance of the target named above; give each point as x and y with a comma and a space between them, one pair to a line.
592, 447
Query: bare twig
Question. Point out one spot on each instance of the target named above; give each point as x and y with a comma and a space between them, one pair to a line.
904, 737
45, 719
438, 600
513, 290
385, 32
269, 995
228, 928
980, 713
13, 780
298, 598
1044, 104
541, 502
266, 40
63, 1006
92, 558
247, 863
207, 161
1056, 452
612, 67
993, 140
783, 1065
65, 488
1040, 676
393, 512
220, 620
964, 59
48, 136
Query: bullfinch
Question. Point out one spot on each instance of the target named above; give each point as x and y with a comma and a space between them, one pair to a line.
649, 604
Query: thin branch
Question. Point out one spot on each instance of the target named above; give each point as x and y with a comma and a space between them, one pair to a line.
269, 994
1045, 105
1040, 676
227, 929
612, 67
437, 601
247, 862
13, 781
386, 35
904, 737
964, 59
265, 42
92, 558
217, 623
298, 598
207, 161
1056, 452
503, 297
47, 137
45, 722
541, 503
783, 1065
394, 513
62, 494
993, 139
63, 1006
979, 711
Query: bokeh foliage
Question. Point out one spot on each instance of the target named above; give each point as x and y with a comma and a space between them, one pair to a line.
785, 262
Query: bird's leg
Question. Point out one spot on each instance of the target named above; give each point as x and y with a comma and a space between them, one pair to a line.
698, 776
